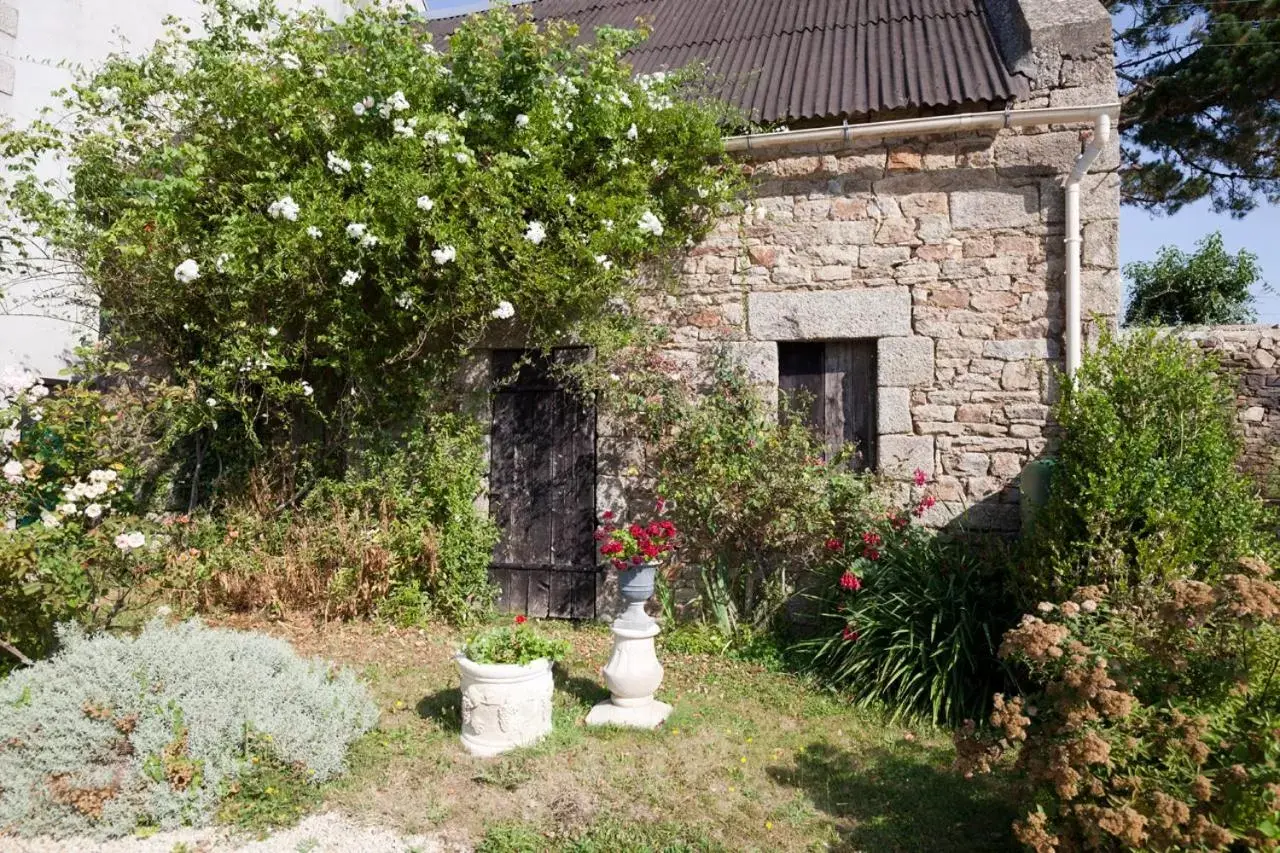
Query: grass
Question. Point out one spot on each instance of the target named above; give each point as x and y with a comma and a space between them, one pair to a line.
750, 760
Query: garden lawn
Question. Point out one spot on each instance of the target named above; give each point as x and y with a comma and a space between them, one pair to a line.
750, 760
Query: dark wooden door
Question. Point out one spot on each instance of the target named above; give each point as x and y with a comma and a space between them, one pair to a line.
831, 386
542, 485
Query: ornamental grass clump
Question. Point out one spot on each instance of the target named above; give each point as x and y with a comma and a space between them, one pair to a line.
116, 733
1153, 722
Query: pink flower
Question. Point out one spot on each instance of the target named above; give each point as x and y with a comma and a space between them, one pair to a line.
849, 634
834, 544
607, 515
871, 538
619, 564
520, 620
920, 477
871, 553
850, 581
925, 502
661, 506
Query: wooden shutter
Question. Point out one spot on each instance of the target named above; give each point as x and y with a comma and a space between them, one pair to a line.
833, 383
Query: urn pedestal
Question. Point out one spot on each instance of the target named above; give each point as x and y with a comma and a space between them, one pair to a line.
504, 706
633, 672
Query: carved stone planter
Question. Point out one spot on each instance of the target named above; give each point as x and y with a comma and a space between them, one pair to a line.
504, 706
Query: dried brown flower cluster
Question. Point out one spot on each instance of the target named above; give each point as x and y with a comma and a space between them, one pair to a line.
1149, 728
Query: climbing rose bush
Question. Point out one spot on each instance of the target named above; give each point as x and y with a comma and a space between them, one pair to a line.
304, 220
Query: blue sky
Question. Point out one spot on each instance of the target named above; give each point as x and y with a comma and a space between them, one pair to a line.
1141, 234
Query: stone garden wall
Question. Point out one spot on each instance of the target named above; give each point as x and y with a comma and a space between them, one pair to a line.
1252, 355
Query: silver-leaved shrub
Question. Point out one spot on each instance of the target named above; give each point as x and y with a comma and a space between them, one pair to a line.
115, 733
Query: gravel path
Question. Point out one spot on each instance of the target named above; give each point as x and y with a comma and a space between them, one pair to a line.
323, 833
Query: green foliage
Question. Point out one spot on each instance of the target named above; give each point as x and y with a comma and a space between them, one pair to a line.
269, 793
918, 629
112, 733
1200, 87
1155, 717
307, 222
1145, 485
753, 498
1208, 287
516, 644
601, 837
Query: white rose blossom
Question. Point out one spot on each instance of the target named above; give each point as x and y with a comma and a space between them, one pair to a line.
522, 120
425, 203
535, 233
187, 271
350, 277
284, 208
314, 233
307, 390
650, 224
462, 157
504, 311
93, 511
336, 164
444, 254
368, 241
633, 132
603, 260
13, 472
356, 230
49, 519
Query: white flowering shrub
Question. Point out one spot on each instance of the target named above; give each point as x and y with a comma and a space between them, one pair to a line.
113, 733
307, 220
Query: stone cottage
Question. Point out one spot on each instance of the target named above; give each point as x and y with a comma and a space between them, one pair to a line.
932, 231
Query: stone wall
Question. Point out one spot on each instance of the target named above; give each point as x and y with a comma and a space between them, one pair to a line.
948, 250
1252, 355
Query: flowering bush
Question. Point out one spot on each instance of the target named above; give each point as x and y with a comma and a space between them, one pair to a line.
636, 543
1154, 723
515, 644
1146, 485
308, 222
72, 545
753, 498
913, 620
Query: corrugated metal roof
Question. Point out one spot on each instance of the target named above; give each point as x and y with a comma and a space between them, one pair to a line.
792, 60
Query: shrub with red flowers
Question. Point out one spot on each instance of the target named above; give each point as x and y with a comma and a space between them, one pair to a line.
914, 620
1155, 722
635, 544
517, 643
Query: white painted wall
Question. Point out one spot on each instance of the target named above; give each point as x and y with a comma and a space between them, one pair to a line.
35, 36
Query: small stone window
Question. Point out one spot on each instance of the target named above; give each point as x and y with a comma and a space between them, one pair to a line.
831, 385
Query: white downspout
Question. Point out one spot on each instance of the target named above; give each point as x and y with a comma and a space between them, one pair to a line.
1074, 323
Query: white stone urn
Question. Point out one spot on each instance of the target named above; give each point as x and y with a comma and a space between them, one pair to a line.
633, 672
504, 705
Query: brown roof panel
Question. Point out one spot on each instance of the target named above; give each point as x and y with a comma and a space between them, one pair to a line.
791, 60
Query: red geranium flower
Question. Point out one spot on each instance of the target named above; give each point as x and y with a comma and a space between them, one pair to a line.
637, 560
655, 529
520, 620
661, 506
834, 544
619, 564
850, 581
925, 502
899, 522
920, 477
871, 538
636, 530
849, 634
871, 553
612, 547
607, 514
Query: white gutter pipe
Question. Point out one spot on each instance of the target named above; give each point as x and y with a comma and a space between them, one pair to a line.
1101, 133
1099, 114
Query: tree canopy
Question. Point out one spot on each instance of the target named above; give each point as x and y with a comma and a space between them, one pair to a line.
1207, 287
1200, 86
